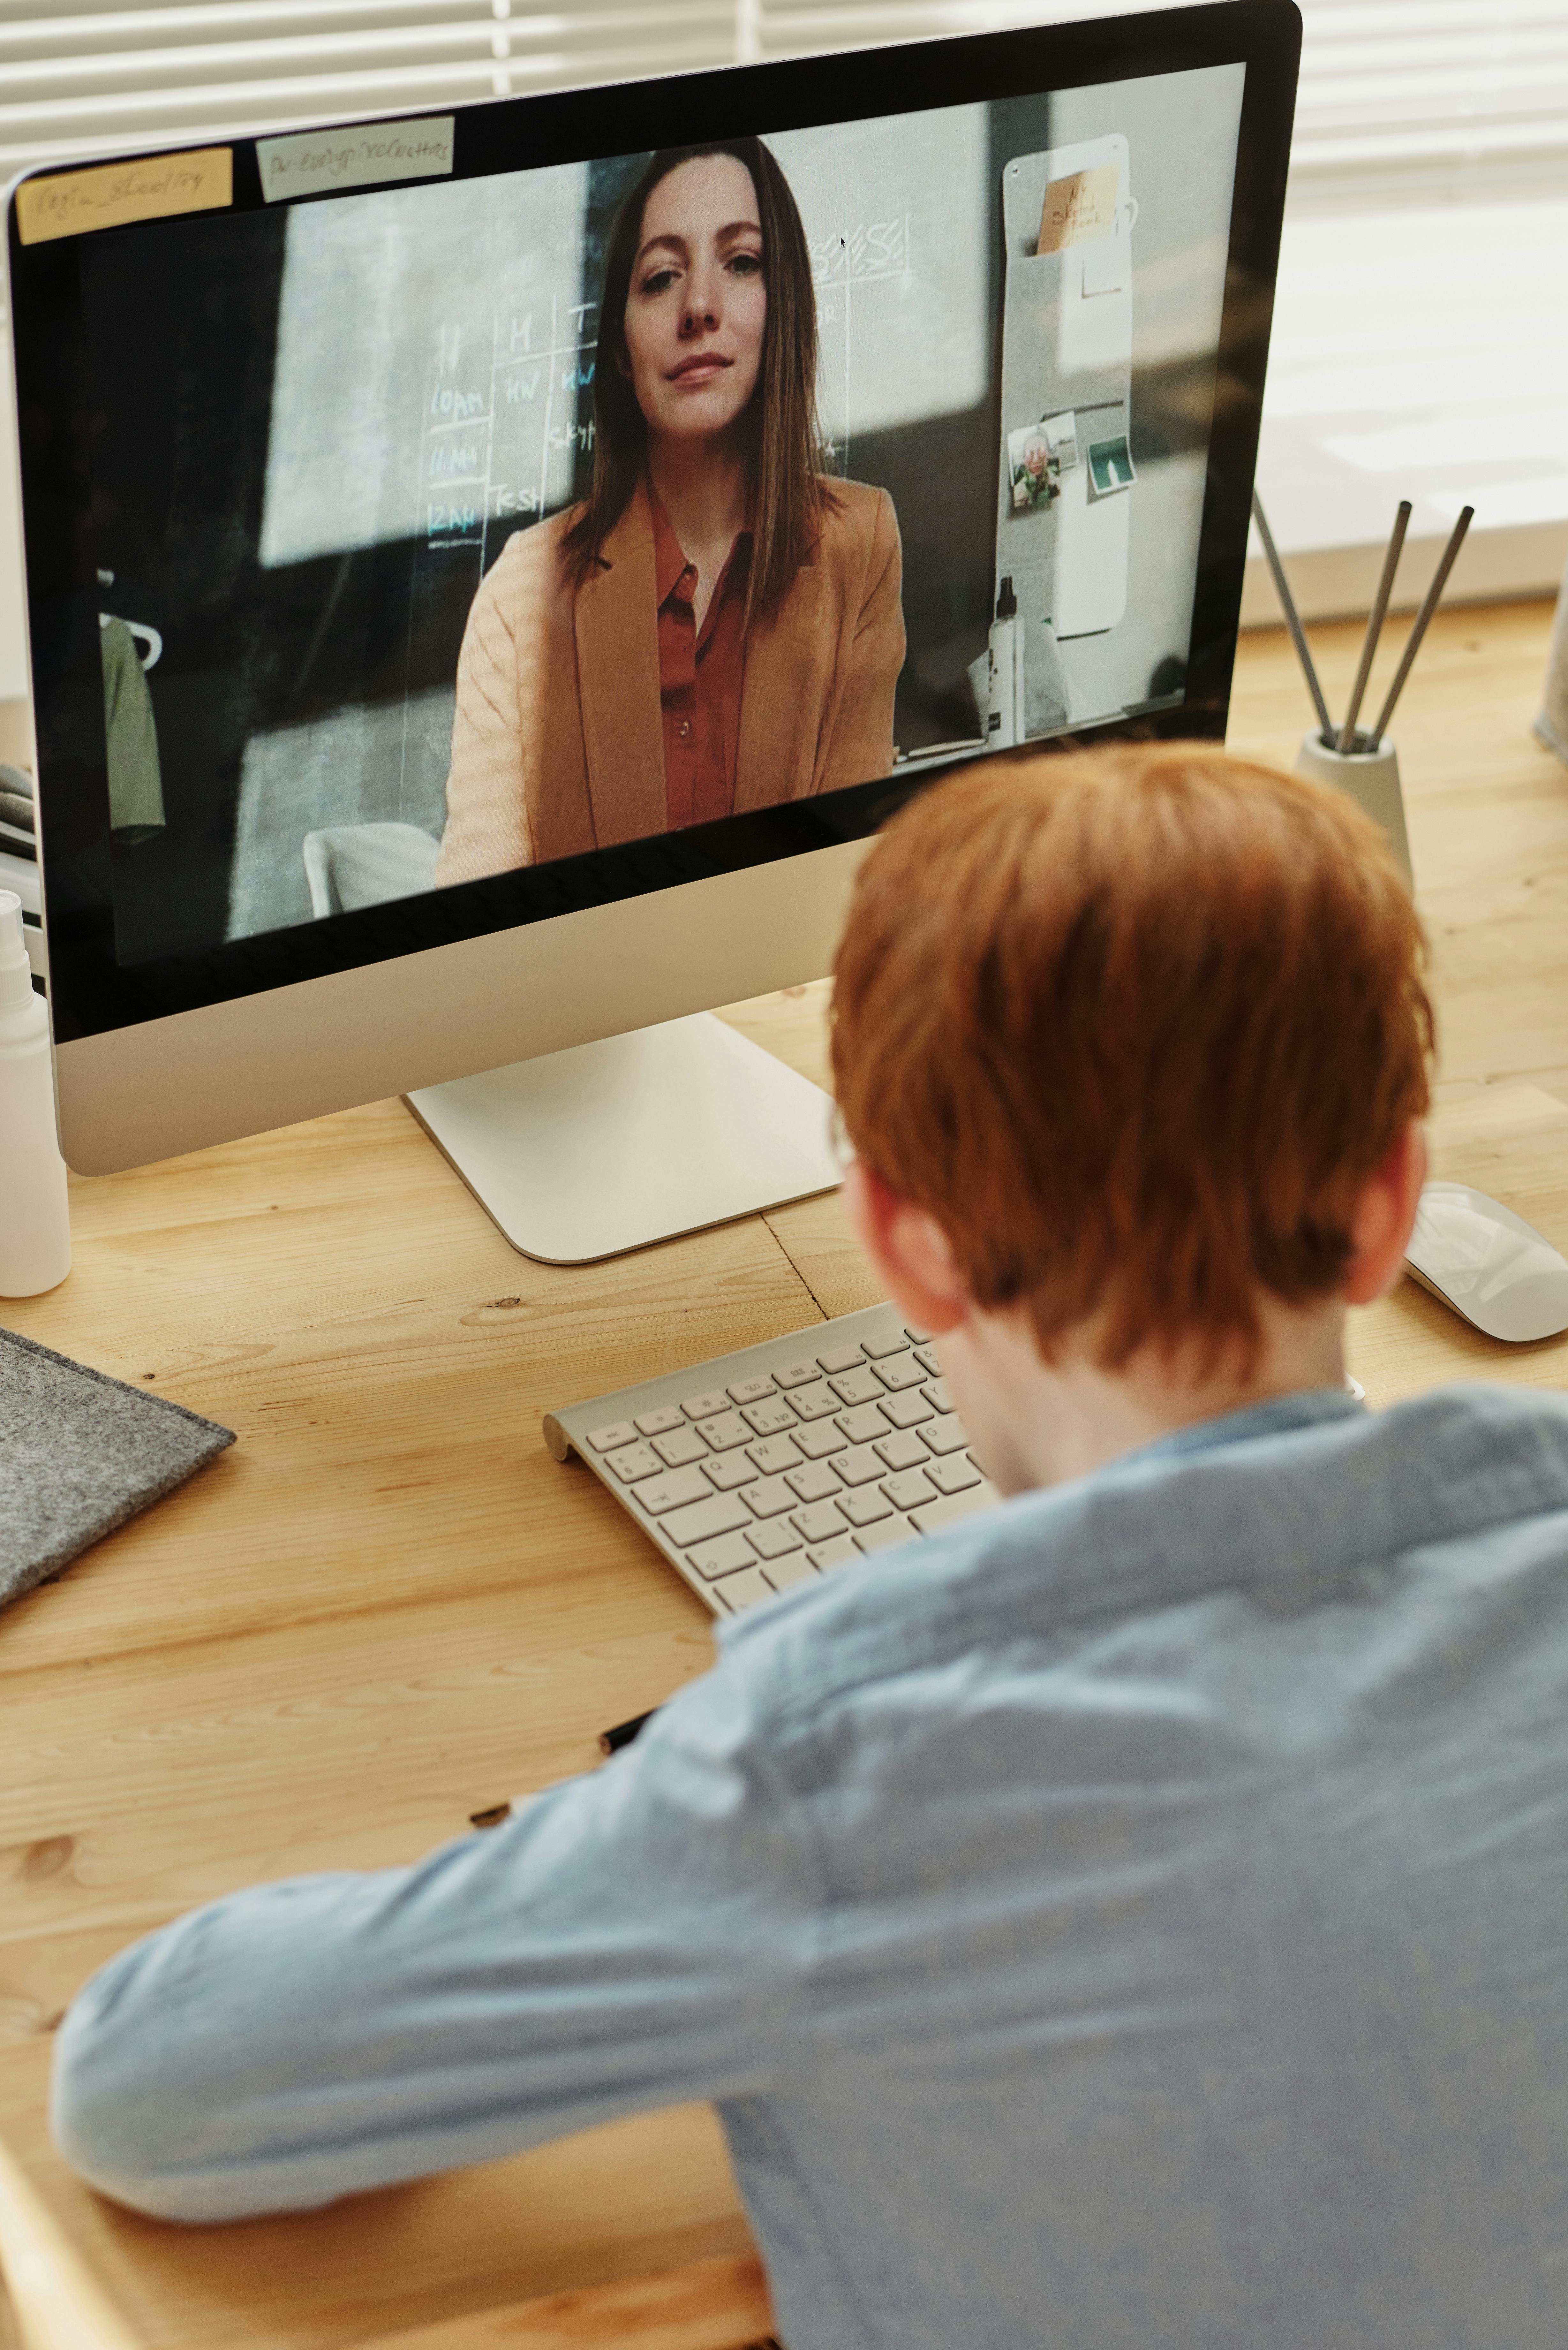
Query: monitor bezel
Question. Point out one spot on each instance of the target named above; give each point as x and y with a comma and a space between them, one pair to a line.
93, 995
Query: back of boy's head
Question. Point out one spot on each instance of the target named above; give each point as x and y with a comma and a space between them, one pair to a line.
1135, 1026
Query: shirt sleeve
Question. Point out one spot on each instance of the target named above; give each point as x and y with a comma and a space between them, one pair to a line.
633, 1939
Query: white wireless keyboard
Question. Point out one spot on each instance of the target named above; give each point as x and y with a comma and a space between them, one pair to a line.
763, 1469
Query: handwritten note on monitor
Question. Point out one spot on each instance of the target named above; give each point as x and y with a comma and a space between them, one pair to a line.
107, 196
1079, 210
324, 162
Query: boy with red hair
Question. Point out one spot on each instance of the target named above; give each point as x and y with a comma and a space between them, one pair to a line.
1130, 1918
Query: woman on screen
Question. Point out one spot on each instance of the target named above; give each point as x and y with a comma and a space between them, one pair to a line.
718, 627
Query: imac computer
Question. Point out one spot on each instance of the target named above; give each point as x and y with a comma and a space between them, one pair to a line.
490, 572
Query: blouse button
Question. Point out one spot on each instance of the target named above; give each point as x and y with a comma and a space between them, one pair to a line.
684, 729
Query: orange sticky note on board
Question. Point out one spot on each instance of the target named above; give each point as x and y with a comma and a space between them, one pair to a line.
107, 196
1079, 209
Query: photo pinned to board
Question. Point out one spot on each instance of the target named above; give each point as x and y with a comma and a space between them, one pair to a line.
1035, 479
1037, 457
1111, 467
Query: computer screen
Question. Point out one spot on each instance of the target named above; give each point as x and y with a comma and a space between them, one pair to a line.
370, 629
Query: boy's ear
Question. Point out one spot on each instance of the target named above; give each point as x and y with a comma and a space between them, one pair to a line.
1385, 1217
908, 1250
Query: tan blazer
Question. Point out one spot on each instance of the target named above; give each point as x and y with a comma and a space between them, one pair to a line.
557, 742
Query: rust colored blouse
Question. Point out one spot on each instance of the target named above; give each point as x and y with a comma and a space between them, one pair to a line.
699, 676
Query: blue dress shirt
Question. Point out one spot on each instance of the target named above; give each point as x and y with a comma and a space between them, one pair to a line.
1137, 1919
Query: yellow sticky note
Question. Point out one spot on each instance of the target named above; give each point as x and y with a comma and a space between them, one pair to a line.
107, 195
1079, 209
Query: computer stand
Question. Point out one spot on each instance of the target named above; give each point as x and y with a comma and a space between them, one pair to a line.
609, 1146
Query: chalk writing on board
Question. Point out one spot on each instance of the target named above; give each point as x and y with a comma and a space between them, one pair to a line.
859, 255
495, 416
847, 268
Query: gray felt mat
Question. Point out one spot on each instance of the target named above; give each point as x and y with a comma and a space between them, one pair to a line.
80, 1454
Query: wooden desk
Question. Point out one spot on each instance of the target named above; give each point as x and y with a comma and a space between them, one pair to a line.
387, 1607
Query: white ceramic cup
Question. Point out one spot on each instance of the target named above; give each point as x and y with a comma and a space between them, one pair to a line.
1370, 774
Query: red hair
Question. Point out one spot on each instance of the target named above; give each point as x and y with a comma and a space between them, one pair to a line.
1134, 1026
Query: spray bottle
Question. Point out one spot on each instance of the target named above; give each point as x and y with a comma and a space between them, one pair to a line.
1006, 664
35, 1218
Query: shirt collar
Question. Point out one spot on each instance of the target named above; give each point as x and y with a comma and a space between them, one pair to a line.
1306, 1408
671, 564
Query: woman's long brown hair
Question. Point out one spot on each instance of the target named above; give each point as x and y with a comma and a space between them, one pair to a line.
789, 493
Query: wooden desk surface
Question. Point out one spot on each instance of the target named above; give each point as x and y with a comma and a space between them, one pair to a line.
386, 1607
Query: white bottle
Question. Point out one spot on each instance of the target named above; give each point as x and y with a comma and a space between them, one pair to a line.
35, 1217
1006, 660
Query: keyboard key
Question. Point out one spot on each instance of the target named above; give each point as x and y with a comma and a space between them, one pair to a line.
772, 1456
902, 1450
841, 1553
722, 1430
917, 1338
954, 1475
860, 1466
657, 1494
703, 1520
749, 1590
768, 1496
815, 1402
659, 1422
859, 1386
938, 1395
926, 1357
887, 1533
900, 1371
906, 1410
632, 1461
909, 1489
814, 1482
728, 1471
795, 1374
768, 1417
944, 1435
886, 1342
861, 1425
784, 1574
773, 1538
712, 1559
864, 1508
702, 1407
952, 1507
681, 1445
818, 1441
611, 1439
750, 1391
818, 1523
839, 1358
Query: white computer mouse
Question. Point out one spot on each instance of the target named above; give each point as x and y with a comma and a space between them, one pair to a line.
1488, 1264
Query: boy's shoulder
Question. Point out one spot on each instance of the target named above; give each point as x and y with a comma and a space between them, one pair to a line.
1307, 1486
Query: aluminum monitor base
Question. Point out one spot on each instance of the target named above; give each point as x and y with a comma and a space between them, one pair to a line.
609, 1146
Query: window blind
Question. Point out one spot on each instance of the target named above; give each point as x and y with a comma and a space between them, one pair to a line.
1441, 94
110, 76
1436, 96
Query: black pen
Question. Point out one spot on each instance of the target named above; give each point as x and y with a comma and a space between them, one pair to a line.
612, 1741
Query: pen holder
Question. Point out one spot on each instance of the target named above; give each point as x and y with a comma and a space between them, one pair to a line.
1370, 774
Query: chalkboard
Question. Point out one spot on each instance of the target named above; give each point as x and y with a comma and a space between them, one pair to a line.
435, 344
